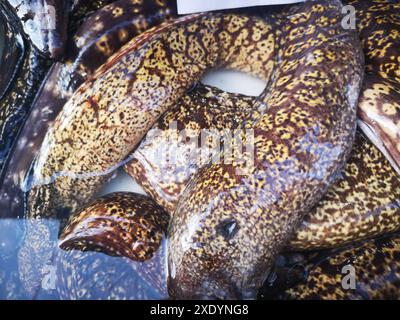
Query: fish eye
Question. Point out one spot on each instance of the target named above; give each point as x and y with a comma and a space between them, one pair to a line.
228, 228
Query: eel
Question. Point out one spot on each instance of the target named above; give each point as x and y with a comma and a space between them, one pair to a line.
99, 227
83, 259
129, 127
227, 229
376, 266
84, 55
129, 93
363, 202
11, 52
44, 22
119, 224
379, 108
21, 90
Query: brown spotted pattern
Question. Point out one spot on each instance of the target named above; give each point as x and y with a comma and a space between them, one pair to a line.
377, 273
304, 126
363, 202
203, 108
228, 228
85, 54
115, 121
379, 108
119, 224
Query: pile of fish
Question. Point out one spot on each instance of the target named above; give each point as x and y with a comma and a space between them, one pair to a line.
307, 187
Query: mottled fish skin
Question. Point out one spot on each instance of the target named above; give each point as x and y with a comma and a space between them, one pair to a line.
227, 229
379, 28
379, 108
111, 112
11, 51
96, 131
17, 99
45, 24
84, 56
377, 273
203, 107
119, 224
363, 202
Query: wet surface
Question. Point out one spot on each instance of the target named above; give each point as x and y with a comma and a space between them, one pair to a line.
34, 267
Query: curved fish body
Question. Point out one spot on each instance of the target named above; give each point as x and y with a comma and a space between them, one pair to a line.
16, 103
363, 201
117, 123
314, 94
366, 271
203, 108
379, 108
110, 27
120, 224
45, 24
11, 52
228, 228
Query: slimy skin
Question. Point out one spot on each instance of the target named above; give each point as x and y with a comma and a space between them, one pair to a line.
45, 24
108, 115
23, 69
227, 229
110, 27
114, 117
363, 201
379, 108
16, 103
377, 273
119, 224
202, 108
11, 52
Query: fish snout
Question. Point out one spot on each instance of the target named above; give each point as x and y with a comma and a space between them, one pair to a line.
185, 286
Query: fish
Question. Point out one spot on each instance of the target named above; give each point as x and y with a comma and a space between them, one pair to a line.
120, 224
363, 201
83, 57
228, 229
378, 25
111, 112
370, 270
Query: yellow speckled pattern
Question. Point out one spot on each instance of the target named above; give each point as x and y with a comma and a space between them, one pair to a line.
363, 202
226, 227
84, 56
377, 273
119, 224
115, 120
379, 108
